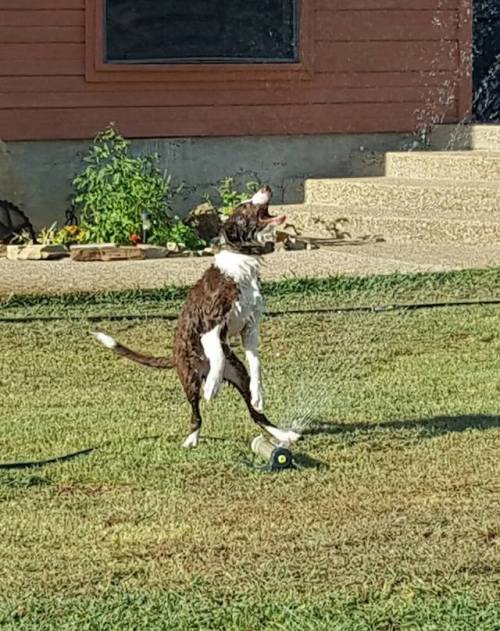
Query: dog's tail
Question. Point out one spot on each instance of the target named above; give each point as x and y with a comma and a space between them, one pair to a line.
123, 351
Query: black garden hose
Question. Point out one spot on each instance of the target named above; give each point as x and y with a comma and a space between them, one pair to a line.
410, 306
33, 464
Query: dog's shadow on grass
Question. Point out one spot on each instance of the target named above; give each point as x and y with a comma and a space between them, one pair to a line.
426, 427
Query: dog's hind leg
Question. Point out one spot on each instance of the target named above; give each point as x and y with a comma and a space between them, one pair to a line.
250, 339
236, 374
212, 347
194, 436
191, 378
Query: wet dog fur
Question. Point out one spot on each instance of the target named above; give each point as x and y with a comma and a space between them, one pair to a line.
225, 302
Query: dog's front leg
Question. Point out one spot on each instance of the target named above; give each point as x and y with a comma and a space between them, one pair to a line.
250, 339
212, 347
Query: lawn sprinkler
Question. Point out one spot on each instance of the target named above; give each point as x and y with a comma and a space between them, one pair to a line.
278, 457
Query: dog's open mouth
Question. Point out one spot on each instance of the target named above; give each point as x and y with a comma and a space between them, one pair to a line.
266, 219
275, 221
267, 226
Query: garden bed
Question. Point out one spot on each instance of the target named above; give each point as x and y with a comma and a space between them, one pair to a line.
121, 210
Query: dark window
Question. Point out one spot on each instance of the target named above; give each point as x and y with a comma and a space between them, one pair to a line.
190, 31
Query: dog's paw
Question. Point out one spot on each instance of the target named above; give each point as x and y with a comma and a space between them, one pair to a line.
284, 436
192, 440
212, 386
292, 436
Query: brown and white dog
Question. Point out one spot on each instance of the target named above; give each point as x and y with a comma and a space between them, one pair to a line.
224, 303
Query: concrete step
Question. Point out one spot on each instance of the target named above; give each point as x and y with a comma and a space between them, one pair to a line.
396, 227
459, 137
429, 165
444, 197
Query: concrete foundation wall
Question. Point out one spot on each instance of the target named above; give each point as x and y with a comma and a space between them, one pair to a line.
36, 175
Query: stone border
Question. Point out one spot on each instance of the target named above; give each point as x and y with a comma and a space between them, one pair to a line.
111, 252
36, 252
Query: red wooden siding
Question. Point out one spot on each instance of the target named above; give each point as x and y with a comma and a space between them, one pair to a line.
362, 26
379, 66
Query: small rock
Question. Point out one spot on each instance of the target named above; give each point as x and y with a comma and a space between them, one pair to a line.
97, 252
206, 252
173, 247
153, 251
13, 251
92, 246
36, 252
295, 244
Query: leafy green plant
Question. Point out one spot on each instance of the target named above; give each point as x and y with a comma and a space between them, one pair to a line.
115, 188
68, 235
47, 236
179, 233
230, 198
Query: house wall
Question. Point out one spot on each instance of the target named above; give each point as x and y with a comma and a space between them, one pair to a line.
376, 71
36, 175
375, 66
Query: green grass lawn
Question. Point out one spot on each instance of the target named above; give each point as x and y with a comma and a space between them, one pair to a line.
399, 529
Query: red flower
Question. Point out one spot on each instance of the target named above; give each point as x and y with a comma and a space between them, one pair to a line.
135, 238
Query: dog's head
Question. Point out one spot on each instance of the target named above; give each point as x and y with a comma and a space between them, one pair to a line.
250, 227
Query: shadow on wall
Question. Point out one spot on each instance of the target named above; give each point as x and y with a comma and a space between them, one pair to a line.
427, 427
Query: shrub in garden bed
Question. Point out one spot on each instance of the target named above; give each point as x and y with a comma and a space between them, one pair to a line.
126, 200
68, 235
118, 195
